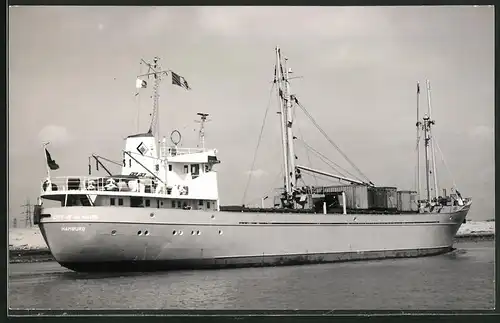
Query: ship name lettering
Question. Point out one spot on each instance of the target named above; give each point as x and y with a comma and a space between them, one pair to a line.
73, 229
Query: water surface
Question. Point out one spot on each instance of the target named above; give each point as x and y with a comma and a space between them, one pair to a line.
462, 279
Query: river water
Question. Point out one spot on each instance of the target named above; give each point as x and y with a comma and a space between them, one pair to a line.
462, 279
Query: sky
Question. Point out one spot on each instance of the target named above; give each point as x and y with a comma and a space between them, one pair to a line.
72, 73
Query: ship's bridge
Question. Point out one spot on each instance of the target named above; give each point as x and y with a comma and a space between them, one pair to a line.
182, 175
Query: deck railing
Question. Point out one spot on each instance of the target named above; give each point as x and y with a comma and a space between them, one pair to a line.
101, 184
173, 151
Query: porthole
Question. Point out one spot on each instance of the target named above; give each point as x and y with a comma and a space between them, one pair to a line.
139, 232
220, 232
198, 232
113, 233
181, 233
174, 232
152, 215
146, 233
213, 216
192, 233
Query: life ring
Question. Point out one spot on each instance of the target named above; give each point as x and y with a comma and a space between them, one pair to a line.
111, 184
110, 187
90, 185
45, 186
172, 139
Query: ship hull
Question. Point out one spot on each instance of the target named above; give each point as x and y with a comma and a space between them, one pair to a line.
132, 239
250, 261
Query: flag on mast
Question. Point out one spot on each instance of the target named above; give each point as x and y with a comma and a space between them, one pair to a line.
180, 81
50, 162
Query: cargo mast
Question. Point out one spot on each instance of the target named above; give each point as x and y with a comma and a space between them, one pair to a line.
289, 121
433, 149
428, 122
418, 124
286, 118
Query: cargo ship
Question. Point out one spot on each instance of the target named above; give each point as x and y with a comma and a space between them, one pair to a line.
162, 211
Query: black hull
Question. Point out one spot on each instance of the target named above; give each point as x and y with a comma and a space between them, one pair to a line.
245, 262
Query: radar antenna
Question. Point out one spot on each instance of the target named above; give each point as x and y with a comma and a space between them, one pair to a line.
201, 133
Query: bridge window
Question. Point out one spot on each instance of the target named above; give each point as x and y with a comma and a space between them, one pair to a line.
77, 200
195, 170
173, 204
208, 204
186, 169
179, 204
136, 201
200, 202
169, 168
148, 203
120, 201
112, 201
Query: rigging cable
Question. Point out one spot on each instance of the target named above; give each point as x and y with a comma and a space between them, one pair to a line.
108, 160
307, 152
327, 161
258, 144
321, 156
416, 178
444, 162
330, 140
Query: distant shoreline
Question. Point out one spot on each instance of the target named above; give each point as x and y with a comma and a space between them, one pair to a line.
475, 237
17, 256
29, 255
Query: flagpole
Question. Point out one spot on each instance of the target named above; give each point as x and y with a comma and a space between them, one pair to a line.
46, 160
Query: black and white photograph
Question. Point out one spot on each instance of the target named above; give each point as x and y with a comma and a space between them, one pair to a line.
251, 158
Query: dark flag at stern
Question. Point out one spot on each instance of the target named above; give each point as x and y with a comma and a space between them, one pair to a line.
50, 162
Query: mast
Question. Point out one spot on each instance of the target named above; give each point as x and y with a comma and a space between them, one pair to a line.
426, 138
201, 133
418, 124
428, 122
154, 70
156, 97
289, 115
433, 152
279, 80
45, 144
157, 72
